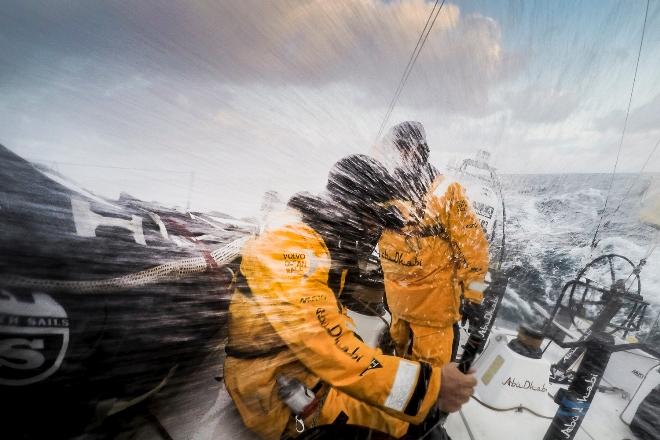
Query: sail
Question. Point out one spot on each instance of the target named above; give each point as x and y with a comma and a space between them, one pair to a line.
97, 305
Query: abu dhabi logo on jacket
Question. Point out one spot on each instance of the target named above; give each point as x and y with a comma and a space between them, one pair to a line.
34, 337
398, 258
337, 333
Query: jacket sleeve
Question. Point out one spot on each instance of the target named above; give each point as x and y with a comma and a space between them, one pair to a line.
468, 241
288, 274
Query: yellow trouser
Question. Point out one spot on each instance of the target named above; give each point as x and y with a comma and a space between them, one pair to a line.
429, 344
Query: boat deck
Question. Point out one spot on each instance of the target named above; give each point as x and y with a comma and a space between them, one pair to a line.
204, 411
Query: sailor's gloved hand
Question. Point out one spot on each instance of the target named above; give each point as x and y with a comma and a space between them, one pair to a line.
455, 388
471, 312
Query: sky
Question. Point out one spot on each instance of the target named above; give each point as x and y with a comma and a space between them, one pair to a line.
212, 103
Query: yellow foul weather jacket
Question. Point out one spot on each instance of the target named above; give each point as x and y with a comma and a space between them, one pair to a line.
436, 259
285, 320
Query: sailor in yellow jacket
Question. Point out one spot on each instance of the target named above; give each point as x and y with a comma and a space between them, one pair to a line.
438, 260
285, 319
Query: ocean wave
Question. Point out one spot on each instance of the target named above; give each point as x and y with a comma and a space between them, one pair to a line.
550, 226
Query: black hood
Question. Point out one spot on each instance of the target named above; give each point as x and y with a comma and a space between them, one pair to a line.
360, 186
353, 209
415, 181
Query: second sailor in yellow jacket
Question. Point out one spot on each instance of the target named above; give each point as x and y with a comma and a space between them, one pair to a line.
438, 260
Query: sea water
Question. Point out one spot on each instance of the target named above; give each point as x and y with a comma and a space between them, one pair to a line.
550, 225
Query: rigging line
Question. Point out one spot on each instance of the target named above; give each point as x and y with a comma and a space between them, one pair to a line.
630, 187
401, 80
407, 68
513, 408
625, 126
420, 48
413, 58
648, 253
406, 73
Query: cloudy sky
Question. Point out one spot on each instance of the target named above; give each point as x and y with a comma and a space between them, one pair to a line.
233, 98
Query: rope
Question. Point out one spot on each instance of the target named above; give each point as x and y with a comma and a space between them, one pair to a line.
642, 261
161, 273
653, 246
467, 425
411, 62
625, 126
513, 408
517, 408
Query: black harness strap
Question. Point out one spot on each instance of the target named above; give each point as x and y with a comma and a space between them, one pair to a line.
248, 353
242, 284
253, 354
